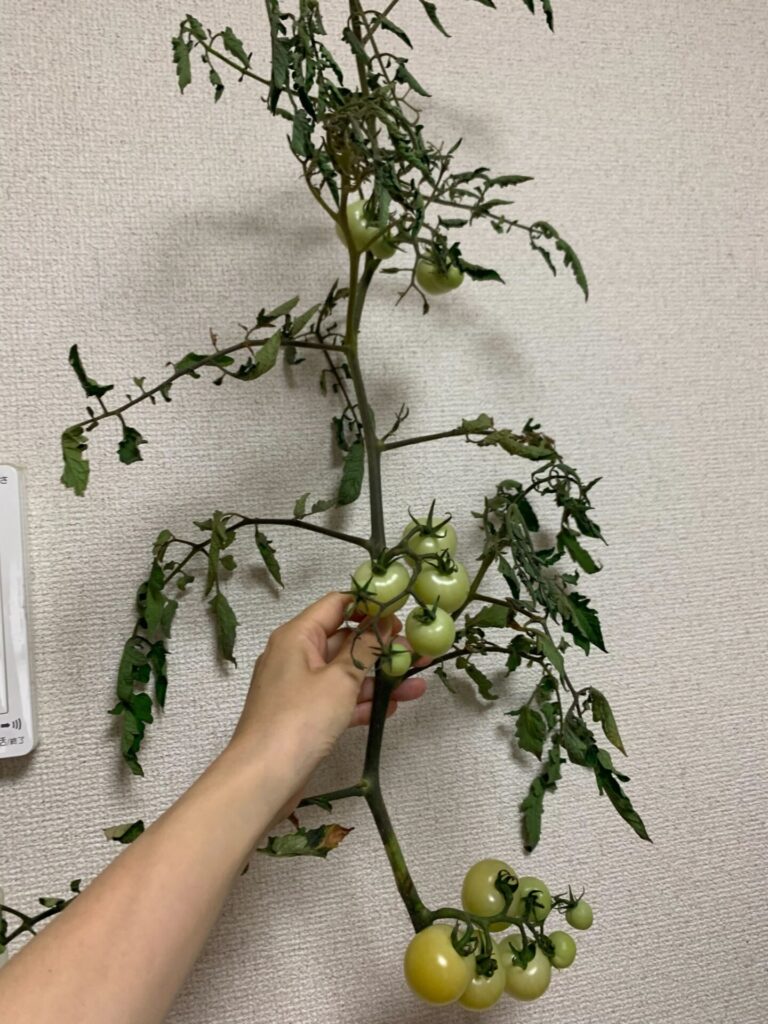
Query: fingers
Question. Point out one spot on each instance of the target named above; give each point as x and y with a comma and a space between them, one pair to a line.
410, 689
358, 652
327, 612
362, 713
337, 641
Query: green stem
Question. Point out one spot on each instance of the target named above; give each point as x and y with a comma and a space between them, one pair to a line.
423, 438
417, 911
335, 794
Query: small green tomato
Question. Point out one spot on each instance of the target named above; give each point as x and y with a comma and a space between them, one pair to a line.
565, 949
386, 590
395, 661
579, 915
431, 279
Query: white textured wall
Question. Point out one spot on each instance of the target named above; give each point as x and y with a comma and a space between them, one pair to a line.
135, 219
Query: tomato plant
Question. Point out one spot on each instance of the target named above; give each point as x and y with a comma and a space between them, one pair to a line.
361, 143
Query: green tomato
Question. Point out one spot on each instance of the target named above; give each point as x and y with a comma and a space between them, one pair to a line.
482, 991
529, 982
565, 949
434, 281
395, 661
543, 906
387, 590
428, 540
363, 232
449, 588
479, 895
579, 915
433, 968
430, 634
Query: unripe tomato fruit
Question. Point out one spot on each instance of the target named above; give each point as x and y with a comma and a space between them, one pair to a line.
363, 232
482, 992
479, 894
387, 590
395, 661
450, 589
565, 949
430, 634
579, 915
431, 279
426, 540
433, 968
529, 982
526, 885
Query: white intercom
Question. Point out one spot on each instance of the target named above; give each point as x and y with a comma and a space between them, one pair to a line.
18, 724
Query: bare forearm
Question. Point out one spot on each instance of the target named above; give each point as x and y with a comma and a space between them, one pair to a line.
149, 914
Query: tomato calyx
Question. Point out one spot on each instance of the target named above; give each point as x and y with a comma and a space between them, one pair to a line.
507, 884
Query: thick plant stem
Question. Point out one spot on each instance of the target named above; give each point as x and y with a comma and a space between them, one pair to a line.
417, 911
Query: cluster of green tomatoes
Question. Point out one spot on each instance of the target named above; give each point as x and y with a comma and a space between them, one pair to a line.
444, 966
421, 566
433, 275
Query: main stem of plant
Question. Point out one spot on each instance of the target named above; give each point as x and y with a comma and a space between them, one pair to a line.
371, 784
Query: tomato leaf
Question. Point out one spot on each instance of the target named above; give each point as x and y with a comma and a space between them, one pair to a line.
478, 273
234, 46
181, 50
492, 616
608, 782
481, 422
315, 842
128, 448
431, 12
90, 387
218, 86
515, 444
531, 730
404, 75
479, 678
226, 625
267, 552
76, 466
570, 260
352, 474
602, 713
567, 540
532, 806
381, 21
124, 833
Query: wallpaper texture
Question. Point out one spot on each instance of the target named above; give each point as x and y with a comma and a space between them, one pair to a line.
135, 220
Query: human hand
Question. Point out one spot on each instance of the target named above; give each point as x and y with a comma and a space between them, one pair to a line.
306, 688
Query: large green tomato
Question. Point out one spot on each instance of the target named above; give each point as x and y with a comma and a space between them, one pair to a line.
388, 590
525, 983
479, 895
579, 915
565, 949
543, 906
483, 992
430, 634
434, 281
363, 232
429, 540
395, 661
449, 588
433, 968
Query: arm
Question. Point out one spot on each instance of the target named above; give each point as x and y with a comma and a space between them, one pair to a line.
154, 906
